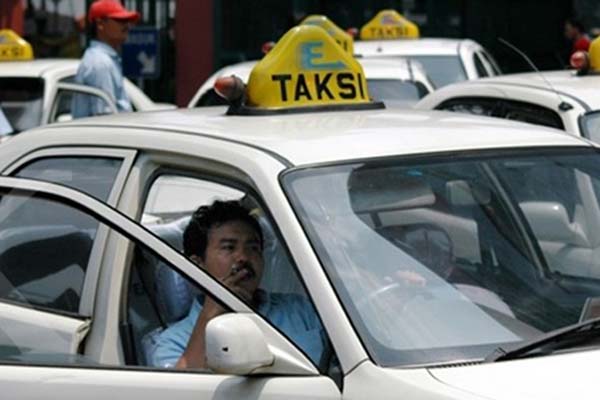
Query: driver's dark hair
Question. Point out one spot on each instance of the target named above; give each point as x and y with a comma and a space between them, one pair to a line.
205, 218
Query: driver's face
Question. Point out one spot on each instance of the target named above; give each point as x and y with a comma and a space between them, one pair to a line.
235, 244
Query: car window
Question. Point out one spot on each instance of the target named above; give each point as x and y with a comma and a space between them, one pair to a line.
280, 298
486, 106
64, 103
92, 175
45, 249
395, 91
442, 70
590, 125
532, 113
481, 71
503, 242
21, 100
504, 108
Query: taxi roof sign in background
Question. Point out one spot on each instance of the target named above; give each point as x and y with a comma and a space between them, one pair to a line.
307, 67
141, 53
342, 37
13, 47
389, 24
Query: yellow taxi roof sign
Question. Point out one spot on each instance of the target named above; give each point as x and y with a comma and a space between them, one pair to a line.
342, 37
389, 24
13, 47
306, 68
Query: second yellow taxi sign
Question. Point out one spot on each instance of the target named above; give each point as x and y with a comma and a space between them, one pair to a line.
341, 37
389, 24
13, 47
306, 68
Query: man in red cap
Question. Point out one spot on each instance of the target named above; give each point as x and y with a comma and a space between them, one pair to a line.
101, 66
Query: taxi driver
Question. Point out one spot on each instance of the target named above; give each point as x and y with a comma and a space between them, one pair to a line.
227, 242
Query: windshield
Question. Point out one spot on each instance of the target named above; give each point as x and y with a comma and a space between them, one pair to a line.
445, 259
21, 101
442, 70
396, 92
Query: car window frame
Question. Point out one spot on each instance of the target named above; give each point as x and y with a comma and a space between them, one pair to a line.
232, 183
132, 231
127, 156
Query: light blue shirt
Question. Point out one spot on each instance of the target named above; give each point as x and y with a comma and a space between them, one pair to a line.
291, 314
100, 68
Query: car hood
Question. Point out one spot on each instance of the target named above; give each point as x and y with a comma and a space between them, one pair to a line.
555, 377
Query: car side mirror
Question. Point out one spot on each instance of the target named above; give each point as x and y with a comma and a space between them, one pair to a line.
236, 345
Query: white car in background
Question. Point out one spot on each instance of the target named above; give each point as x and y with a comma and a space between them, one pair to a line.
398, 83
559, 99
445, 60
38, 92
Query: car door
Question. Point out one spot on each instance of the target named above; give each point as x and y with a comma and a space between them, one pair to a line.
35, 369
61, 101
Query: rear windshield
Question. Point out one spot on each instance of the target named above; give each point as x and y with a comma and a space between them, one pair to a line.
442, 70
395, 92
21, 101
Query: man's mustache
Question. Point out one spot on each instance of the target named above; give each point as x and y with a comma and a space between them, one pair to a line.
251, 272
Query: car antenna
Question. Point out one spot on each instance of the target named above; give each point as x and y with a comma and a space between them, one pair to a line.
563, 105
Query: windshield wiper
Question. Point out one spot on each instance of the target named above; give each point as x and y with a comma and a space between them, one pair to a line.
570, 336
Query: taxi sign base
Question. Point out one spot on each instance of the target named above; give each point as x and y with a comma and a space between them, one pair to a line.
240, 109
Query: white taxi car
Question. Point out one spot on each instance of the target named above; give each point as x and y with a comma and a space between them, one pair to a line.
436, 249
398, 83
566, 100
445, 60
34, 92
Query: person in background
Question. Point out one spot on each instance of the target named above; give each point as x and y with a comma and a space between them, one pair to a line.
101, 63
575, 32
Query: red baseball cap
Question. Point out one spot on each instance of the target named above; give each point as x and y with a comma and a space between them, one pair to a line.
111, 9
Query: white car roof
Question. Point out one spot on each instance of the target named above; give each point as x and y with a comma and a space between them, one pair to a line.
414, 47
302, 138
398, 68
583, 88
38, 68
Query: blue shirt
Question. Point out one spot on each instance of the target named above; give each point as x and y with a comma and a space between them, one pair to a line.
100, 68
291, 314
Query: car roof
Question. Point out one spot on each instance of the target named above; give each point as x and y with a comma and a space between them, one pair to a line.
319, 137
584, 88
37, 68
415, 47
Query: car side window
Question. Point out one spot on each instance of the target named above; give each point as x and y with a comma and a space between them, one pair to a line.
486, 106
45, 249
92, 175
280, 297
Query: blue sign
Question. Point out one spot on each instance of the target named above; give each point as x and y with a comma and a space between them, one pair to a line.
141, 53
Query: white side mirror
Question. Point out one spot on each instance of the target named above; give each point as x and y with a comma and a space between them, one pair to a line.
235, 345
